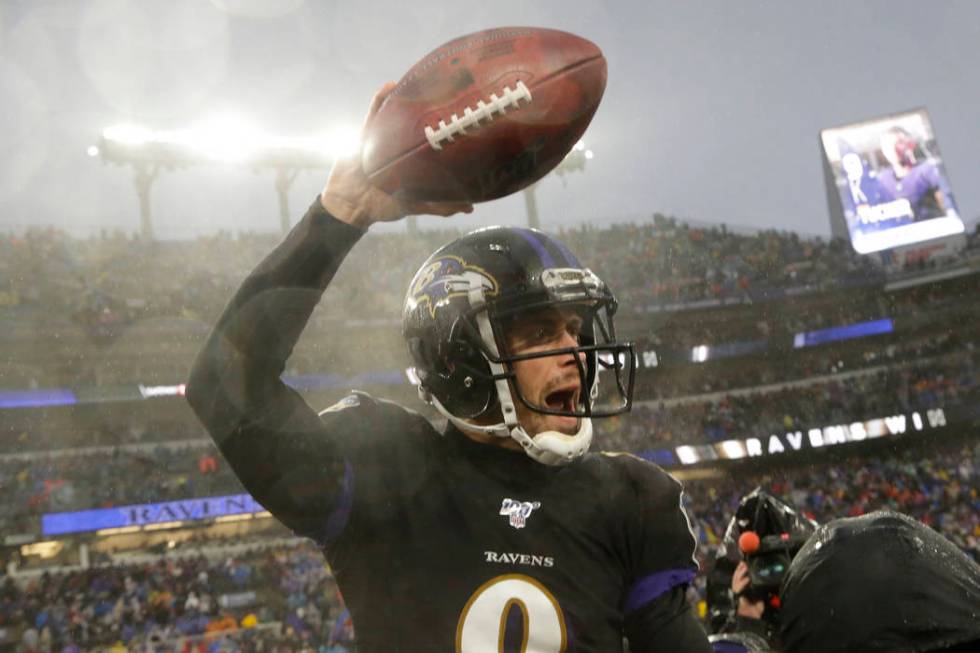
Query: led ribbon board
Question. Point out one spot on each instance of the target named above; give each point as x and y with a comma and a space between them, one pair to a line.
139, 515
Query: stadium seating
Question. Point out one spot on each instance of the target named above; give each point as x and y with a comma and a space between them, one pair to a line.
114, 298
282, 595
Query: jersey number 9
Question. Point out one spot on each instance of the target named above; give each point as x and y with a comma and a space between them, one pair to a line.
484, 617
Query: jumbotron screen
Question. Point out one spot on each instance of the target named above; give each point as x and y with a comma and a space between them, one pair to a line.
892, 184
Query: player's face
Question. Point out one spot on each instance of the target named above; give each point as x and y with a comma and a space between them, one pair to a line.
551, 381
889, 148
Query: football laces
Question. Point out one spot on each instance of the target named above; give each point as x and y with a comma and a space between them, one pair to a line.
474, 117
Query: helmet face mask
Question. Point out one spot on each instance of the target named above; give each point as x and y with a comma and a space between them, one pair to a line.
467, 298
597, 351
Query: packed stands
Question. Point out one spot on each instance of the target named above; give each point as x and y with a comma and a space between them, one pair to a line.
951, 380
939, 489
285, 593
250, 601
129, 311
66, 481
105, 282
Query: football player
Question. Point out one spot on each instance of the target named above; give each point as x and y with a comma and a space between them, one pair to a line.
503, 532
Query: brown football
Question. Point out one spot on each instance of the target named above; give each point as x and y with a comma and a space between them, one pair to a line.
485, 115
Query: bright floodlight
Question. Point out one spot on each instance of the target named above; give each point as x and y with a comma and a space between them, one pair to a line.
92, 150
226, 139
128, 134
578, 154
341, 141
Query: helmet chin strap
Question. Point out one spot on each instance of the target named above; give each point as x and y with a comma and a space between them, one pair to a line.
548, 447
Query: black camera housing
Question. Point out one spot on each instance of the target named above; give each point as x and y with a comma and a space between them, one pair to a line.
769, 563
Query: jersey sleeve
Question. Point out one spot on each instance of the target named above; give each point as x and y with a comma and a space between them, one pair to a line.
385, 451
666, 625
298, 465
660, 561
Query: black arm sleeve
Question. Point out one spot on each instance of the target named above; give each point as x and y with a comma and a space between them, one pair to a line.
661, 547
275, 443
666, 624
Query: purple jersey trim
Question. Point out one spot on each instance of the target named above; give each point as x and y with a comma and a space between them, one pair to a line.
337, 520
652, 586
546, 258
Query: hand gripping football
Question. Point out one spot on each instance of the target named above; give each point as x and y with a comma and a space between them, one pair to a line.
484, 115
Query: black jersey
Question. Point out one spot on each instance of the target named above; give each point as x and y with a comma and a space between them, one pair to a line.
439, 543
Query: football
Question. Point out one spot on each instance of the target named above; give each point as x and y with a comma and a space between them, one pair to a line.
484, 115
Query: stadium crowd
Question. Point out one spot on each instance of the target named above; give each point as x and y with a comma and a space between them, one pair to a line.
169, 604
270, 599
665, 260
142, 474
104, 282
101, 479
940, 490
760, 368
945, 382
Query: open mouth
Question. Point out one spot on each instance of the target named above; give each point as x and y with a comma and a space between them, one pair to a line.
563, 399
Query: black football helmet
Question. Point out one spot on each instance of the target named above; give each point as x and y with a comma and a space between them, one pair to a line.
457, 309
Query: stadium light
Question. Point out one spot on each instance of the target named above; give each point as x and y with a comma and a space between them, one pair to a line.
573, 161
127, 134
222, 139
341, 141
44, 549
226, 138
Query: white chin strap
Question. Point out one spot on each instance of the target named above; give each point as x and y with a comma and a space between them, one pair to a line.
547, 447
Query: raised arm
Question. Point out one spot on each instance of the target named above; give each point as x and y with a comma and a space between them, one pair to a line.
282, 452
266, 431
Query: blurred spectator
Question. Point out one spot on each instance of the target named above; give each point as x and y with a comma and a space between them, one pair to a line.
939, 490
131, 607
106, 282
172, 602
132, 475
951, 380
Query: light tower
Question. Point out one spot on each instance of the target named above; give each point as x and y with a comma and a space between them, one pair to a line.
223, 141
573, 161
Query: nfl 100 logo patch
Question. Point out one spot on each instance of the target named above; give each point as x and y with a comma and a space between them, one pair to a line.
518, 512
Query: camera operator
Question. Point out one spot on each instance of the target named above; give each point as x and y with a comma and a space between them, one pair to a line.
763, 537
